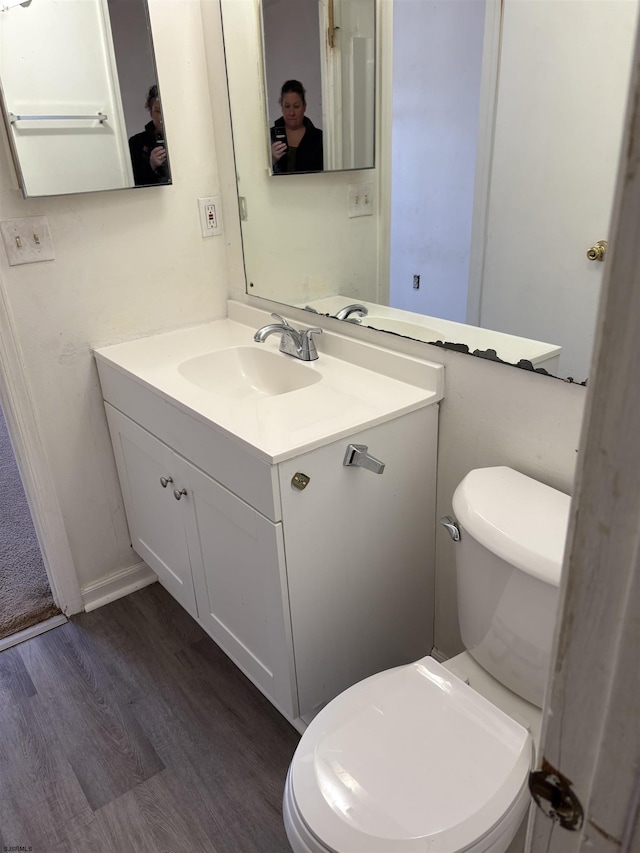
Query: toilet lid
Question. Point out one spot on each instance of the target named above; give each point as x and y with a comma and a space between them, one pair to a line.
411, 759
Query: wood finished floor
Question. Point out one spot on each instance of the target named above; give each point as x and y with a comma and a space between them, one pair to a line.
127, 729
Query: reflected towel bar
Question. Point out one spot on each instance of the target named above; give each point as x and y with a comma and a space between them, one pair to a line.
101, 117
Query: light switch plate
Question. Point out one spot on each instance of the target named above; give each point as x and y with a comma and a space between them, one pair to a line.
27, 240
360, 200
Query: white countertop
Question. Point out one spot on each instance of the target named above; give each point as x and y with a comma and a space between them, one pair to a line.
365, 386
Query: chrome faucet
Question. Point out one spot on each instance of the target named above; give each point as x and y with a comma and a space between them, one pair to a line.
345, 313
297, 343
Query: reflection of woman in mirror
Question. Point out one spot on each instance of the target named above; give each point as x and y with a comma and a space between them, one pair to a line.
148, 151
296, 143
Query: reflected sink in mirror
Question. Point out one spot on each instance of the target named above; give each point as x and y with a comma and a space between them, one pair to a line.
241, 372
401, 327
509, 348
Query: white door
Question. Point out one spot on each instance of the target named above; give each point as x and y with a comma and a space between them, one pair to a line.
591, 733
563, 82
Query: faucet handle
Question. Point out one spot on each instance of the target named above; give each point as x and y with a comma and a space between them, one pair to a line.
306, 333
281, 320
310, 352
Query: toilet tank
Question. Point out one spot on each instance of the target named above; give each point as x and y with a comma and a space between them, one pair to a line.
508, 561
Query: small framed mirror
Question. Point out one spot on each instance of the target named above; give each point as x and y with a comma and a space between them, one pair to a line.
320, 77
80, 96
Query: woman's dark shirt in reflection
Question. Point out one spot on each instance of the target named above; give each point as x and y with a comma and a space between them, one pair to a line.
140, 147
308, 156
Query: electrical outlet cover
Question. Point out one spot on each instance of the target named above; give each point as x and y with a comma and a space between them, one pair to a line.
210, 216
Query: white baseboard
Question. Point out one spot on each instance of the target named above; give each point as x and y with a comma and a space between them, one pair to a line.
117, 586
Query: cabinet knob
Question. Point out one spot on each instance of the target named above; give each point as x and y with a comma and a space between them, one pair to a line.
178, 493
164, 481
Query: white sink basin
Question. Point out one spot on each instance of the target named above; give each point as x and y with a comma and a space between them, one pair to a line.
241, 372
402, 327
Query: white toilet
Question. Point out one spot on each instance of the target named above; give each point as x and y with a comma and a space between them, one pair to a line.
435, 757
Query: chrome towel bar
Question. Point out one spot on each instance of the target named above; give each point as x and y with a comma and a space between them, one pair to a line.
101, 117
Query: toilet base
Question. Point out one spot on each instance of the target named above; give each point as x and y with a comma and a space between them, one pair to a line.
508, 837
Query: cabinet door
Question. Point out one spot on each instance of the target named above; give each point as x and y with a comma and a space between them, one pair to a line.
237, 557
156, 519
360, 557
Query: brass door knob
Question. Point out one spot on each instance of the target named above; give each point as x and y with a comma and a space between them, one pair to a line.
597, 252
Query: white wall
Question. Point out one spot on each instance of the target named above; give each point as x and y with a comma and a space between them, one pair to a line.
128, 263
132, 263
437, 59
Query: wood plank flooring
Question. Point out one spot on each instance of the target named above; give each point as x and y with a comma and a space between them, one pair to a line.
127, 729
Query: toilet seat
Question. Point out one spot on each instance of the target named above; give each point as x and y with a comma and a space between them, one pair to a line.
409, 760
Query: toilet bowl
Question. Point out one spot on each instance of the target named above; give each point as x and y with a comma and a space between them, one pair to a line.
411, 759
435, 757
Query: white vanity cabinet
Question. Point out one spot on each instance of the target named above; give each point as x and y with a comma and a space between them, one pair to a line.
340, 588
310, 574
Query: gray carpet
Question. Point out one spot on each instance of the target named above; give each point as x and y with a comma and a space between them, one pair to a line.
25, 595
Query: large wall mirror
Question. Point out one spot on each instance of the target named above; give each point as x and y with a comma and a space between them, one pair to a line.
329, 48
80, 95
500, 131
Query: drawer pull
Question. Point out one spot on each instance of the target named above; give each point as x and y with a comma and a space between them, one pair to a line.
178, 493
164, 481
